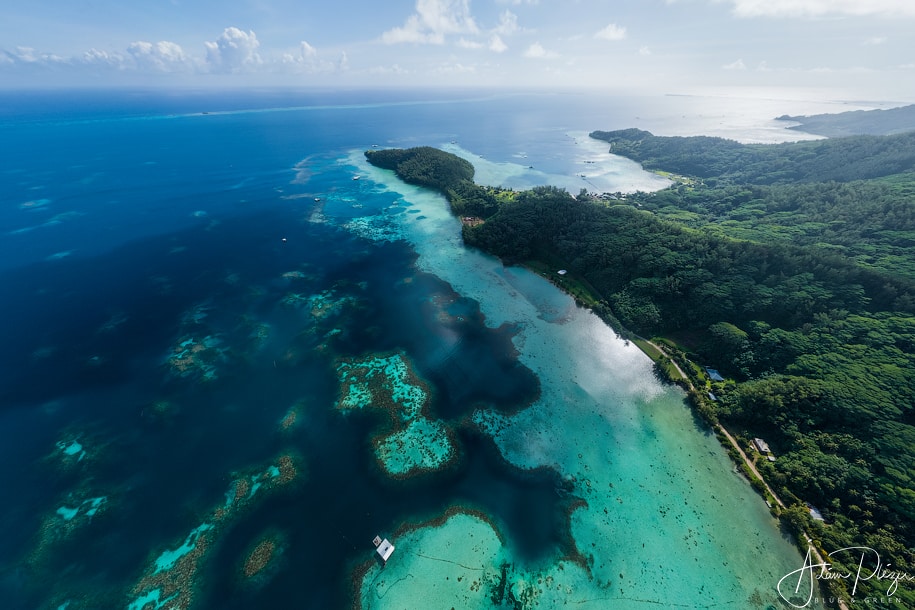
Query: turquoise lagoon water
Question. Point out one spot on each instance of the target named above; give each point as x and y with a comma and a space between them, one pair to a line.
194, 282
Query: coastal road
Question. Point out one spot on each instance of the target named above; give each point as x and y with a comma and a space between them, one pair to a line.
751, 465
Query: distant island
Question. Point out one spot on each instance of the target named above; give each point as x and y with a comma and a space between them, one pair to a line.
856, 122
790, 269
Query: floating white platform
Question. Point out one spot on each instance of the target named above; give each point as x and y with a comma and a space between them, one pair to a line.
383, 547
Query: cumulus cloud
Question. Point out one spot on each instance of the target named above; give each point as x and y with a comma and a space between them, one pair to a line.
822, 8
644, 51
536, 51
102, 58
469, 44
735, 65
454, 68
28, 60
433, 20
497, 45
234, 51
28, 55
163, 56
307, 51
387, 70
308, 59
611, 32
508, 24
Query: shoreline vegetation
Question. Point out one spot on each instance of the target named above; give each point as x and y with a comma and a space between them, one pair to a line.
788, 268
872, 122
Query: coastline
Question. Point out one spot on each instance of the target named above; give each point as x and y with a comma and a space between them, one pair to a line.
664, 362
667, 367
609, 390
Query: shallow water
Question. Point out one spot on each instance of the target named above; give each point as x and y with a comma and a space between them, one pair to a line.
666, 520
180, 290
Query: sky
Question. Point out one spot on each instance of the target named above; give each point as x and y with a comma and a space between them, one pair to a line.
862, 49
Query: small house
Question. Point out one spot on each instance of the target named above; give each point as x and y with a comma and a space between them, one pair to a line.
761, 445
383, 547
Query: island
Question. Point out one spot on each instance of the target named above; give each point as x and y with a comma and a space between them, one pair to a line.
788, 269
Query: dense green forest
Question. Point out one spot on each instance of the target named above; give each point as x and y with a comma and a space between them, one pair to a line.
721, 161
827, 204
807, 319
857, 122
444, 172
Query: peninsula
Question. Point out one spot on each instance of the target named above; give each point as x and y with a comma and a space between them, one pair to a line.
857, 122
787, 268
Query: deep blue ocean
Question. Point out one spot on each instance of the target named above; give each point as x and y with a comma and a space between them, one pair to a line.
180, 281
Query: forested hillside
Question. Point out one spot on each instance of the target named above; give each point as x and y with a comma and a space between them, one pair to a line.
829, 206
857, 122
819, 349
725, 161
424, 166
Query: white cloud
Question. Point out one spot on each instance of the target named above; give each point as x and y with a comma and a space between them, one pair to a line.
28, 55
455, 68
736, 65
102, 58
307, 59
876, 40
496, 45
412, 31
536, 51
763, 67
234, 51
307, 51
612, 32
387, 70
508, 24
305, 54
28, 59
163, 56
518, 2
434, 19
469, 44
644, 51
821, 8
